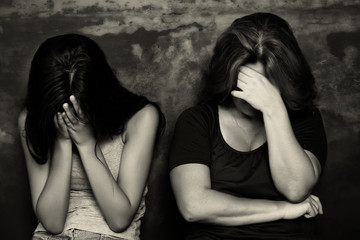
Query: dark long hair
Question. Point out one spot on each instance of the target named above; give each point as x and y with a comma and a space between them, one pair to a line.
266, 38
68, 65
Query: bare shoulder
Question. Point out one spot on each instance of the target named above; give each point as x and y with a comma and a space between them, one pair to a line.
147, 115
144, 121
22, 119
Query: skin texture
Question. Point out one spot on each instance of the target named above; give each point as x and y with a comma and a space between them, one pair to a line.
259, 109
118, 199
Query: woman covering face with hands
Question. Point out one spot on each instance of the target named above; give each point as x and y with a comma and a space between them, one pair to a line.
73, 121
244, 161
81, 132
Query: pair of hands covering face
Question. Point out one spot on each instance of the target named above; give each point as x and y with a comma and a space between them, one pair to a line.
72, 123
256, 89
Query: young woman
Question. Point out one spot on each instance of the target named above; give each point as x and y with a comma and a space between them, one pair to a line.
88, 144
244, 161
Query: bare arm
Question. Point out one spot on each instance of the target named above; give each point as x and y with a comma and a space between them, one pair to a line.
119, 200
50, 182
295, 171
199, 203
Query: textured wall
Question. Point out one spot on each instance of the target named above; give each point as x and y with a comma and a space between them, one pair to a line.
157, 48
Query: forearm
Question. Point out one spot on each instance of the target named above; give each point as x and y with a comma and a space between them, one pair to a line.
211, 206
112, 200
292, 171
53, 202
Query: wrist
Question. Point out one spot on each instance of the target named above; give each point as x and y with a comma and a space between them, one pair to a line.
62, 151
287, 210
282, 206
89, 144
276, 109
63, 142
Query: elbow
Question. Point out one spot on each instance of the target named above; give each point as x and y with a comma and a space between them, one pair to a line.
295, 191
296, 195
296, 198
118, 228
52, 219
56, 231
190, 216
120, 224
191, 212
54, 228
52, 224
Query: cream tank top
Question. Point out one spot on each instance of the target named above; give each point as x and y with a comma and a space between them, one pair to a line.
84, 213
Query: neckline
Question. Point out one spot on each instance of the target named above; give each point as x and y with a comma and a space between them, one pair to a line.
218, 129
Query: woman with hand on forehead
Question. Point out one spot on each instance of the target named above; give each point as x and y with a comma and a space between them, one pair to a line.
88, 144
244, 161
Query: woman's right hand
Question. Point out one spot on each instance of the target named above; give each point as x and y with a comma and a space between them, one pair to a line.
62, 130
308, 208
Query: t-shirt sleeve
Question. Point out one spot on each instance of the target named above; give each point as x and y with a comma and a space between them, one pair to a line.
190, 143
310, 133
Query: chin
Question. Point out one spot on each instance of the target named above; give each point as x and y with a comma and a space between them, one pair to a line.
251, 112
247, 109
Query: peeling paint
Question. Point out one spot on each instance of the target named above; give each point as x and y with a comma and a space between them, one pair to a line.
108, 27
137, 51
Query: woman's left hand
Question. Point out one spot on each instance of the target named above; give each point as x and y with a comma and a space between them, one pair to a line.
79, 129
256, 89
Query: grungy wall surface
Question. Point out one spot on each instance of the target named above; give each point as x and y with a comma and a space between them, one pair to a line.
158, 49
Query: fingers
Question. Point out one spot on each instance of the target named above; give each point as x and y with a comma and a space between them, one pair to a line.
238, 94
77, 108
61, 126
73, 114
249, 79
69, 112
250, 72
243, 81
75, 103
312, 211
315, 207
250, 76
242, 85
244, 90
317, 203
244, 78
66, 120
59, 121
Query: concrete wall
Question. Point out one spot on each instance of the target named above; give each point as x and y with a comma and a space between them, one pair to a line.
157, 48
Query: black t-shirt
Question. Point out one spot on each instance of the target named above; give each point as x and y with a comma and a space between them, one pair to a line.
198, 139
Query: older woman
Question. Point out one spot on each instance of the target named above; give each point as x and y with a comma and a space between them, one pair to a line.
244, 161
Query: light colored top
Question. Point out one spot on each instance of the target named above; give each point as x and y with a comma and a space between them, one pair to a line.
84, 213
